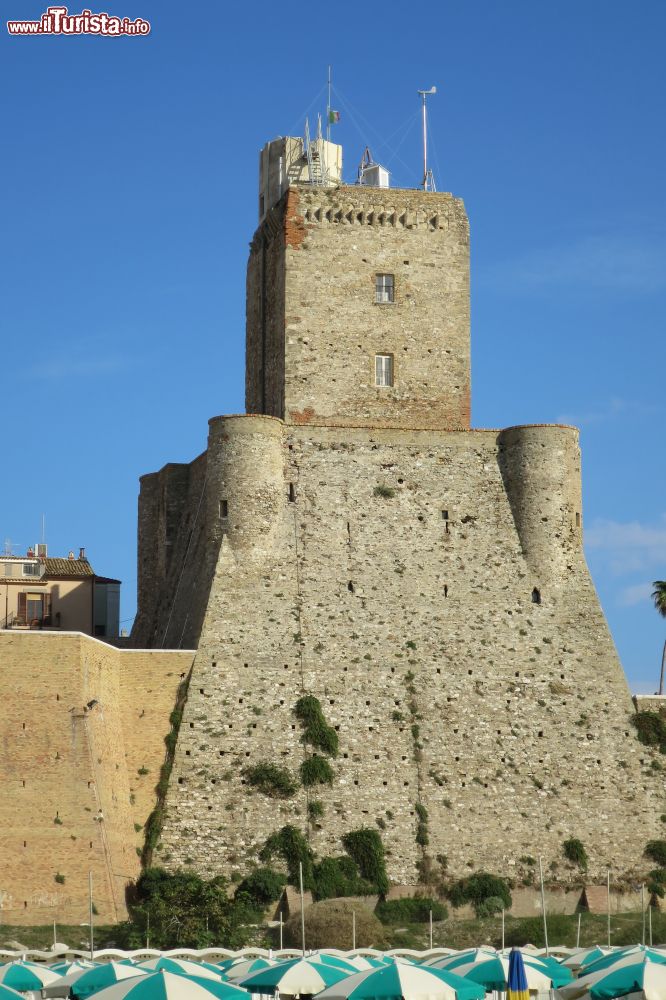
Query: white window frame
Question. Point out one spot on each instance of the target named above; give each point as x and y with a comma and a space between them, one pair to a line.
383, 371
384, 289
30, 569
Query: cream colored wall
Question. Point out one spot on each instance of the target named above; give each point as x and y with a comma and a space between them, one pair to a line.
72, 598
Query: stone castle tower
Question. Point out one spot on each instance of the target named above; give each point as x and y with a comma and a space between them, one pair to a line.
353, 538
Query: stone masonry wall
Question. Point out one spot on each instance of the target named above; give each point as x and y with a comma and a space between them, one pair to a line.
73, 738
314, 327
518, 735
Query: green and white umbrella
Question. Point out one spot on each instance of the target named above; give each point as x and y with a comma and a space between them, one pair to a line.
398, 979
64, 968
461, 958
26, 976
182, 967
585, 956
247, 967
295, 977
84, 982
492, 971
640, 979
633, 952
171, 986
628, 964
6, 993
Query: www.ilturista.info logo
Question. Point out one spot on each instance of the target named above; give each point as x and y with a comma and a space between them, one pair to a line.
57, 21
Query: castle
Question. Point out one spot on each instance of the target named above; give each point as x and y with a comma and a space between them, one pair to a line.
351, 538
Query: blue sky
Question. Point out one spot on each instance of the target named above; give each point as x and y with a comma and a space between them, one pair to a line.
130, 197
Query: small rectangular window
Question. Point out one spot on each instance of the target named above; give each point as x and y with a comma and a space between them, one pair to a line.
383, 369
8, 569
384, 288
224, 508
30, 569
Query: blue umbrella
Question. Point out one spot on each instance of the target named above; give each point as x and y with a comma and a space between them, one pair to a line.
516, 981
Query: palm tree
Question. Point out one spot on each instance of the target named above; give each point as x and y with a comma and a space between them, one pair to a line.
659, 598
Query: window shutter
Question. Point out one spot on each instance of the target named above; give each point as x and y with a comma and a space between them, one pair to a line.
21, 606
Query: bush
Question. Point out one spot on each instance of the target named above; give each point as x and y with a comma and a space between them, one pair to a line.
411, 911
329, 925
315, 810
657, 882
290, 844
271, 780
575, 852
316, 770
490, 907
335, 877
530, 931
365, 847
383, 491
651, 729
316, 730
60, 879
262, 886
656, 850
478, 888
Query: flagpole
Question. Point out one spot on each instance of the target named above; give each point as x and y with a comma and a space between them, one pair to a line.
643, 913
328, 108
90, 916
502, 928
543, 908
353, 930
578, 931
280, 930
431, 930
608, 905
300, 882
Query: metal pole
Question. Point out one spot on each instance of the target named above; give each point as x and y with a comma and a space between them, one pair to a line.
502, 928
650, 925
543, 907
353, 929
643, 913
431, 930
90, 916
663, 667
300, 881
578, 931
55, 939
425, 144
608, 905
280, 930
328, 108
147, 928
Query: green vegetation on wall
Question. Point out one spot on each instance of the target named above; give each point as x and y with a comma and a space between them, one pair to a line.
316, 731
155, 821
478, 889
365, 847
651, 729
316, 770
575, 852
416, 910
271, 780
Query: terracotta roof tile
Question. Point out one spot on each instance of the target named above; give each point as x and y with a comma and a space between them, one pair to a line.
68, 567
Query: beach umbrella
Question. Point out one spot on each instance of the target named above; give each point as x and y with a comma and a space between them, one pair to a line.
6, 993
400, 979
620, 954
335, 961
295, 977
84, 982
629, 964
641, 978
461, 958
26, 976
247, 967
516, 982
64, 968
492, 972
362, 963
182, 967
164, 985
584, 956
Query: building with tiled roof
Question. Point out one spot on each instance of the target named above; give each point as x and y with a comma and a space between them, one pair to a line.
42, 592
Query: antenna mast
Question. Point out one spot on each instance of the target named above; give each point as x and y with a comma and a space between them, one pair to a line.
328, 108
428, 182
